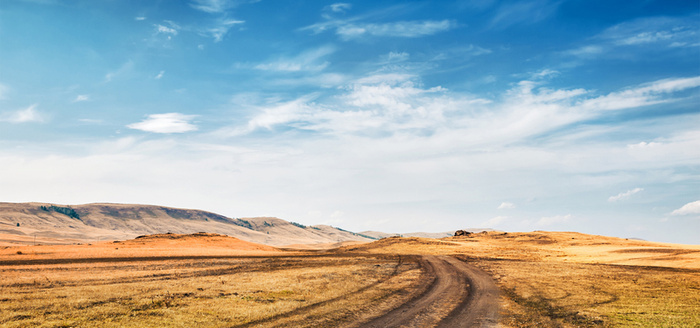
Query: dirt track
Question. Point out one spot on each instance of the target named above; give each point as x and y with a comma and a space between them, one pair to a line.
460, 296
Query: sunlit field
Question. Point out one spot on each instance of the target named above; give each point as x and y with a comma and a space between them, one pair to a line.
546, 280
550, 279
146, 287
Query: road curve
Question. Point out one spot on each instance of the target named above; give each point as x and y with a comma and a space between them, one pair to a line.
460, 295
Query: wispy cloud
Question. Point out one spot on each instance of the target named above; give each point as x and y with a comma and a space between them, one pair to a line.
220, 28
643, 95
80, 98
587, 51
126, 67
29, 114
624, 195
218, 6
661, 31
213, 6
642, 36
160, 75
164, 29
311, 60
688, 209
359, 27
140, 18
387, 104
506, 206
461, 52
394, 57
340, 7
523, 12
166, 123
404, 29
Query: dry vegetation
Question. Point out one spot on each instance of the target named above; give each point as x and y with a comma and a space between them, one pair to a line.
547, 280
141, 284
557, 279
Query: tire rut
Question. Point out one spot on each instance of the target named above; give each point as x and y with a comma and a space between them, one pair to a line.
460, 296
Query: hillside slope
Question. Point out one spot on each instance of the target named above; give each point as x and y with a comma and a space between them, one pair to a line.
22, 223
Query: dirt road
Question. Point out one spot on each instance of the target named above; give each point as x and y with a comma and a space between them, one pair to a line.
460, 296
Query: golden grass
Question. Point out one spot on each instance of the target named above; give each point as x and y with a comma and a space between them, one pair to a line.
548, 279
562, 279
177, 293
195, 280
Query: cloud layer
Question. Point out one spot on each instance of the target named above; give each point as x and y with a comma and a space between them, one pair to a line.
166, 123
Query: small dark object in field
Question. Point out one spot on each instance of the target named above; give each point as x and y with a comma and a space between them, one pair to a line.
462, 233
19, 252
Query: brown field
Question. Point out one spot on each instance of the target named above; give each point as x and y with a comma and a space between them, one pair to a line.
566, 279
546, 279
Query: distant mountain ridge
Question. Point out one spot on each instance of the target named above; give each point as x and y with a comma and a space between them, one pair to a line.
22, 223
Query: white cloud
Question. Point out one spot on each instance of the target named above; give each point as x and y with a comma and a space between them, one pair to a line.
549, 220
388, 139
397, 56
166, 123
90, 121
212, 6
660, 31
586, 51
643, 95
221, 28
644, 145
29, 114
405, 29
139, 18
160, 75
523, 12
506, 206
395, 103
624, 195
545, 73
687, 209
80, 98
641, 36
340, 7
164, 29
311, 60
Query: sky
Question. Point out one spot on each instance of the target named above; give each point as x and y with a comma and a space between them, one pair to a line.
394, 116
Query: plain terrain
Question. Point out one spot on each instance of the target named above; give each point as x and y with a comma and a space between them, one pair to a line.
545, 279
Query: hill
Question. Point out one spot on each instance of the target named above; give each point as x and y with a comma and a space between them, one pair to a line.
27, 223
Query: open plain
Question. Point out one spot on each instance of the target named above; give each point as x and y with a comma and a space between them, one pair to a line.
537, 279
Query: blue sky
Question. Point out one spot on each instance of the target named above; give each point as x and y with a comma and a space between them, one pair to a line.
395, 116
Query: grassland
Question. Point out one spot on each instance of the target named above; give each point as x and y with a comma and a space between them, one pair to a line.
546, 279
148, 283
558, 279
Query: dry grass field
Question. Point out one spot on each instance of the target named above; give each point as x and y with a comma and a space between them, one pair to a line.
198, 280
547, 279
563, 279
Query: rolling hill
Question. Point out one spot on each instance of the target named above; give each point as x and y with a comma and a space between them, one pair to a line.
27, 223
